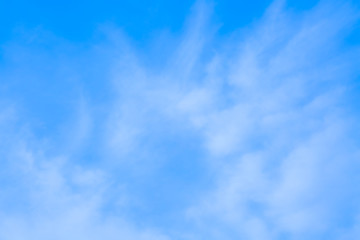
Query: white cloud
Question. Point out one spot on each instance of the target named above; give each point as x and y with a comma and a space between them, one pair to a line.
53, 198
282, 145
268, 108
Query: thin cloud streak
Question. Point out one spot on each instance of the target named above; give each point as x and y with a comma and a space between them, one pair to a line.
265, 116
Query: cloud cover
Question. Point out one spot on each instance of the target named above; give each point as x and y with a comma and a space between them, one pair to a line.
254, 135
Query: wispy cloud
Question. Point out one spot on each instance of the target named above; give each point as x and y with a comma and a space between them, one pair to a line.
252, 135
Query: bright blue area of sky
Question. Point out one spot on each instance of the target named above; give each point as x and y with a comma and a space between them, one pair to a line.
77, 20
46, 81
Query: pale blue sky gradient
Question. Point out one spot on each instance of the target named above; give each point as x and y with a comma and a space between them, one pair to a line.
218, 120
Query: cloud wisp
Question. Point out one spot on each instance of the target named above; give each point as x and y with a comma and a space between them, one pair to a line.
249, 136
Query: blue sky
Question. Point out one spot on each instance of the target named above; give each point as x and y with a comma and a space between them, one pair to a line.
219, 120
